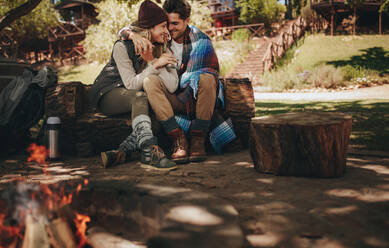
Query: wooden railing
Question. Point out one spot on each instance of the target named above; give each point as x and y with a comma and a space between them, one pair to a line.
64, 30
313, 2
277, 49
255, 29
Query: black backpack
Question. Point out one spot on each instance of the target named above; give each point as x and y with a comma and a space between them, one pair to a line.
22, 104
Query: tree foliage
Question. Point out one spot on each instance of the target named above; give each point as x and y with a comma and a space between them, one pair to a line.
260, 11
33, 25
116, 14
294, 8
385, 6
113, 15
201, 15
12, 14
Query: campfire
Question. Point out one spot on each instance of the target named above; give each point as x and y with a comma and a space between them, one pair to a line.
39, 215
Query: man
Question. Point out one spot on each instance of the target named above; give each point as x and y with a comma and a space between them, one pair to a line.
199, 88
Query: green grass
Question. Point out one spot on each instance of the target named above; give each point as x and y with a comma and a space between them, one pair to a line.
85, 73
370, 118
357, 56
340, 50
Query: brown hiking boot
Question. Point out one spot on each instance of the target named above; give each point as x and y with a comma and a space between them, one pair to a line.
197, 146
180, 146
113, 157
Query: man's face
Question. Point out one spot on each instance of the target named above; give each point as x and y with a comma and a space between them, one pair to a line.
177, 26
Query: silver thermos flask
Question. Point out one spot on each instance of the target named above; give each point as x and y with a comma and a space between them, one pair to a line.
53, 128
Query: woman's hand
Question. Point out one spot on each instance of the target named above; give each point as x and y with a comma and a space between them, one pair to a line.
165, 59
141, 44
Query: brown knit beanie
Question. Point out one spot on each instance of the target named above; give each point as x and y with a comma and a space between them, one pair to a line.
150, 14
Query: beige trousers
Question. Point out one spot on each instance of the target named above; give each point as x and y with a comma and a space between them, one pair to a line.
165, 104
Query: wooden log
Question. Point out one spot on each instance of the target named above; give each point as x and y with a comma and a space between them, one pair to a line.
102, 132
35, 235
301, 144
240, 105
66, 100
99, 238
60, 234
84, 133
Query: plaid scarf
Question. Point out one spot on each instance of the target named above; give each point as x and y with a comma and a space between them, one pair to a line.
198, 57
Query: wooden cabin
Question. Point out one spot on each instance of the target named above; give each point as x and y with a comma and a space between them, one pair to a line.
64, 40
369, 19
223, 12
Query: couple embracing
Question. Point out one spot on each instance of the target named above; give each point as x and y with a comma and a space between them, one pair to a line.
177, 77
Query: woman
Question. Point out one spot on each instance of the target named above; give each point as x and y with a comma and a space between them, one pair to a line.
118, 87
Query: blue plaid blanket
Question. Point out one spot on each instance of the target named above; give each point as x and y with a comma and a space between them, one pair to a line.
198, 57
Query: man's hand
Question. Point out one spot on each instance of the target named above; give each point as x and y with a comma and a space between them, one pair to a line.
165, 59
141, 44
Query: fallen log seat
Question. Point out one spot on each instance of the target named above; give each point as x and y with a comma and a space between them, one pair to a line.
84, 133
301, 144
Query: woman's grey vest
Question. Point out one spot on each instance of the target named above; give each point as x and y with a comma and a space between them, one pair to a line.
109, 77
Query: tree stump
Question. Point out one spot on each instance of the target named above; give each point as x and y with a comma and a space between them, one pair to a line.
301, 144
240, 106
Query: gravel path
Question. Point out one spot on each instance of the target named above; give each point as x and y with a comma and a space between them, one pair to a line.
375, 92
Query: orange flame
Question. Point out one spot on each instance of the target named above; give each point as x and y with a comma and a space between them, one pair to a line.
38, 153
11, 232
80, 222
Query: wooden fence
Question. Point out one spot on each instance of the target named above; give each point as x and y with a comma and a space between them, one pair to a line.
256, 30
276, 49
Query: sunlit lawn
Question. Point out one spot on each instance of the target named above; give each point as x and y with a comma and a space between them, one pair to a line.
370, 118
341, 50
229, 54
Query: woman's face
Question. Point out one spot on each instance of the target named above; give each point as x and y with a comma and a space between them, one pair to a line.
159, 33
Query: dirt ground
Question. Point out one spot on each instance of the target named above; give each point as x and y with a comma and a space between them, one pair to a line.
274, 211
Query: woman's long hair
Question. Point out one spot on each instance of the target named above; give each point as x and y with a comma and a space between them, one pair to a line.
146, 33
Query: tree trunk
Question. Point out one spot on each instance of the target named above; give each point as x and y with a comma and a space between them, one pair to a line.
355, 20
301, 144
18, 12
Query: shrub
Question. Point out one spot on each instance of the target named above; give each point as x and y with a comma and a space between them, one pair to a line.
326, 76
241, 35
350, 72
260, 11
282, 79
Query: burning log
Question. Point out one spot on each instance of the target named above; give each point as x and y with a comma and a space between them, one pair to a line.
61, 236
35, 235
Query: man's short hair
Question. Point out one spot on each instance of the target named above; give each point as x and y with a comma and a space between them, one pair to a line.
181, 7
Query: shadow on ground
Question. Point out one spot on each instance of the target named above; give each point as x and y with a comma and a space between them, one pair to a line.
374, 58
274, 211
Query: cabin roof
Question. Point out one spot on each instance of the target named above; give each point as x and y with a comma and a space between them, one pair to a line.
72, 3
